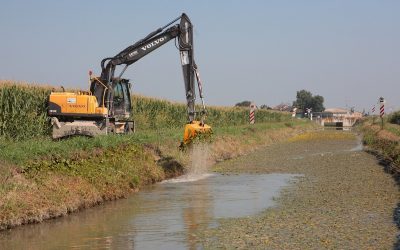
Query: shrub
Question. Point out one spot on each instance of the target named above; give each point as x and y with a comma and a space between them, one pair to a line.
395, 117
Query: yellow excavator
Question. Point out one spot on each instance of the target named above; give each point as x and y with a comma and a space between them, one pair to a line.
106, 107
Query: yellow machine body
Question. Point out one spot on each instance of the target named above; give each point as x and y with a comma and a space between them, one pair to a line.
62, 103
194, 129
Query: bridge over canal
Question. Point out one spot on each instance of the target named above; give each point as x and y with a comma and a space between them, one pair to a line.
337, 117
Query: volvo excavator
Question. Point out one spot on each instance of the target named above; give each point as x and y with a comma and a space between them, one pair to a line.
106, 108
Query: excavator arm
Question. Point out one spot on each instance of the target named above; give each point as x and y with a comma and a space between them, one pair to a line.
183, 33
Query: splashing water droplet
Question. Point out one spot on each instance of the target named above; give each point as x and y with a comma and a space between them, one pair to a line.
199, 159
200, 163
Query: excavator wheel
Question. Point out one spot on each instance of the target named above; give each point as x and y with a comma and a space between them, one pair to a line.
129, 127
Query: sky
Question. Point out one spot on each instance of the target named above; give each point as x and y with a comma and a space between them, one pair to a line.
258, 50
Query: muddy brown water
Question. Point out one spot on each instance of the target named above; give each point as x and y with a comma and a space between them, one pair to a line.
163, 216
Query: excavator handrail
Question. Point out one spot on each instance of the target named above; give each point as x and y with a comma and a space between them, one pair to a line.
105, 88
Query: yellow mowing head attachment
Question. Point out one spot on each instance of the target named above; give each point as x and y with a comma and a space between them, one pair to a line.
194, 130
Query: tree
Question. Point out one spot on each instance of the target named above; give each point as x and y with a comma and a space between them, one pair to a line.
304, 100
318, 103
243, 104
264, 106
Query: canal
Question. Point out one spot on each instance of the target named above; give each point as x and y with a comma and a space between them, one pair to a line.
317, 190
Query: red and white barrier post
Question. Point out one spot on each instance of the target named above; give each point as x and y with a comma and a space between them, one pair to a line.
373, 114
381, 109
252, 113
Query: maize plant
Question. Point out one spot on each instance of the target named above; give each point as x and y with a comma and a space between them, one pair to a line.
23, 112
153, 113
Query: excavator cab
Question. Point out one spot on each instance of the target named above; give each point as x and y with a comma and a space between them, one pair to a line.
121, 98
116, 98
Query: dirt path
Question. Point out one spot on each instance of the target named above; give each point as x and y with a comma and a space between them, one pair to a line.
345, 200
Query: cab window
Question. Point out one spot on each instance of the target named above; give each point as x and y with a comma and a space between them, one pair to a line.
118, 94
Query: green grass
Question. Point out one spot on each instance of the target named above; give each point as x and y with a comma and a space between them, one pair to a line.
393, 128
20, 152
111, 166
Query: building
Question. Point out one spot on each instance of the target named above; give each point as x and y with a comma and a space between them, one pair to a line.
337, 117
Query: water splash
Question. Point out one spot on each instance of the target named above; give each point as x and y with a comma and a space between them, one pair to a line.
200, 163
188, 178
199, 159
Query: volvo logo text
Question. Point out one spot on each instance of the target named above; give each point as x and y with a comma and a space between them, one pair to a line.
150, 45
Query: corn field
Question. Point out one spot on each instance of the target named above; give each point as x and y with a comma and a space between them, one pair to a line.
156, 113
23, 112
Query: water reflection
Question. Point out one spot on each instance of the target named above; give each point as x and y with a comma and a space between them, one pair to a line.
163, 216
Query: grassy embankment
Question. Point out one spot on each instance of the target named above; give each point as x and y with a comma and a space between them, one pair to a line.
41, 178
383, 142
